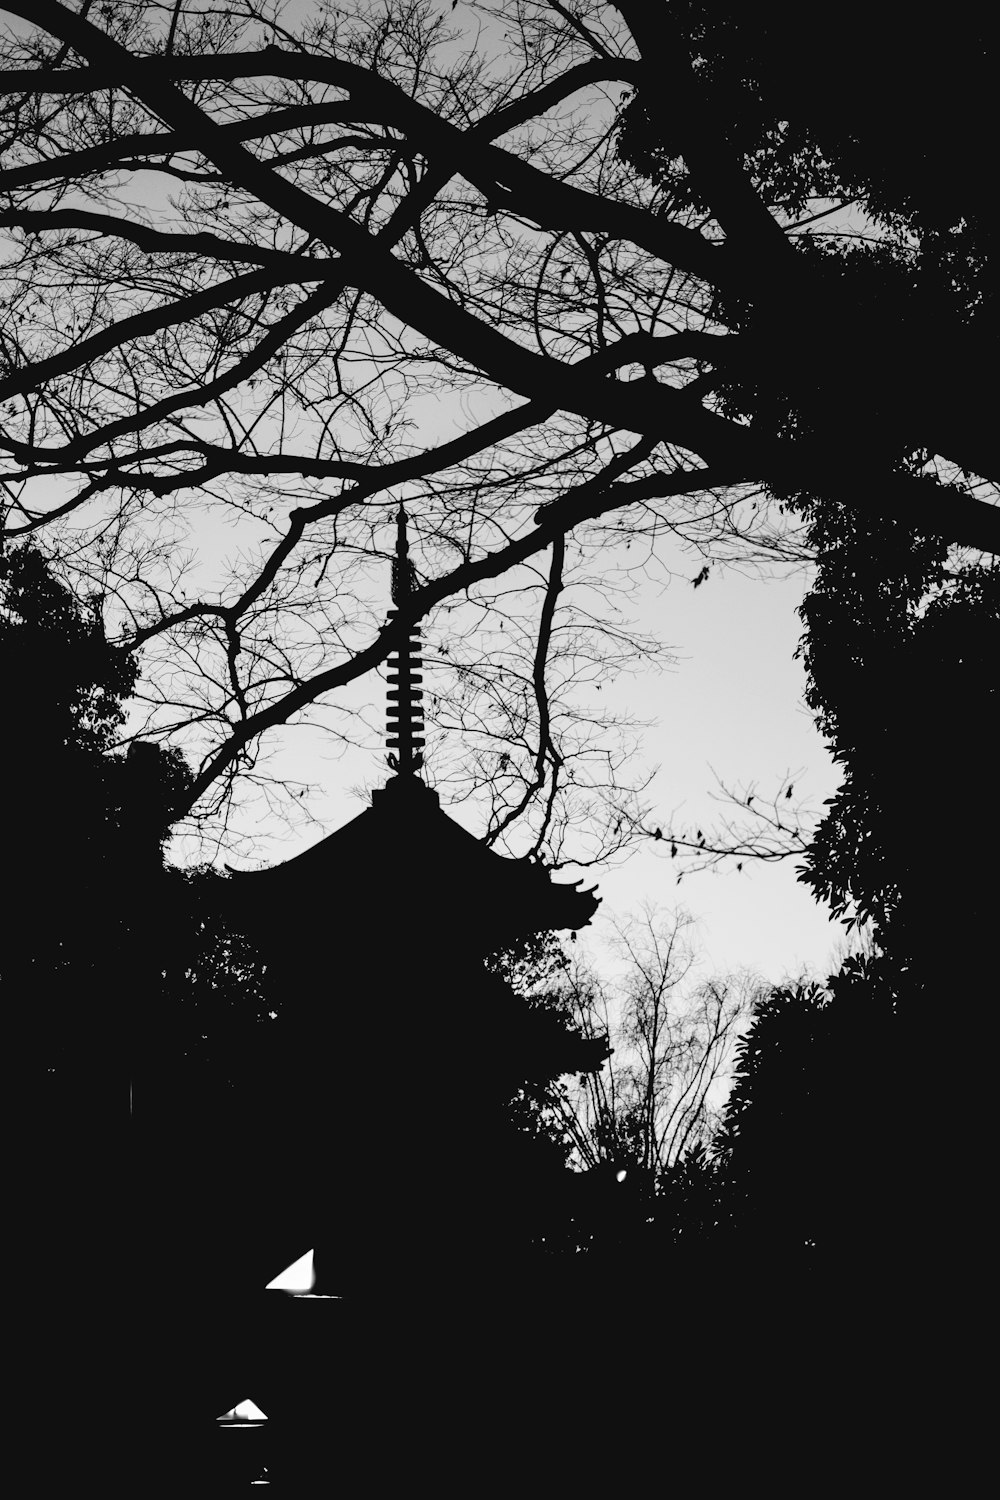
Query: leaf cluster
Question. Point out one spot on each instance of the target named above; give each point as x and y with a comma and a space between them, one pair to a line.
900, 649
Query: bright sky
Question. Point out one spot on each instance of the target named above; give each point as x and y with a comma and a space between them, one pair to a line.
732, 701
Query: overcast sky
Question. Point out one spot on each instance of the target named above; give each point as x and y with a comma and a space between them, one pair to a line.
731, 701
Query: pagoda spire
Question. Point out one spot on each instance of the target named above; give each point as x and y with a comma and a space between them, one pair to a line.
404, 715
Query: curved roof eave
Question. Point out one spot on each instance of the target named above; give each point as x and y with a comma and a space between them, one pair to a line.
408, 836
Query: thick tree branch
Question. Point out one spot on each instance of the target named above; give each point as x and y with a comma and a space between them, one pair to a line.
265, 348
643, 407
370, 478
370, 481
157, 241
127, 149
472, 266
750, 228
498, 174
32, 377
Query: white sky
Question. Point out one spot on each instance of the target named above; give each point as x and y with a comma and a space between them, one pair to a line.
733, 702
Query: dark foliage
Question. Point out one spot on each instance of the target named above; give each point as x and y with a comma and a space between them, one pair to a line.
807, 1131
545, 1043
836, 338
816, 107
902, 653
85, 827
136, 1011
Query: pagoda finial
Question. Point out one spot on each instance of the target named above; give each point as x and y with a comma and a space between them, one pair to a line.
404, 715
403, 572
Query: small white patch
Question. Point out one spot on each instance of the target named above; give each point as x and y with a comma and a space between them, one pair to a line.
244, 1411
299, 1277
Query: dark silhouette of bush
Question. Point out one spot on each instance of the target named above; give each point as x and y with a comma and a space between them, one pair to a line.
903, 678
85, 827
807, 1128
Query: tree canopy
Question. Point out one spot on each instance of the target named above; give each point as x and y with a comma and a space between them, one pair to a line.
72, 807
561, 277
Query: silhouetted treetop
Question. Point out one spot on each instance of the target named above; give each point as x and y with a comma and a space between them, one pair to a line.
836, 333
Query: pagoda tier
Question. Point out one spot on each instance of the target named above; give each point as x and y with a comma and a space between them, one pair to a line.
405, 854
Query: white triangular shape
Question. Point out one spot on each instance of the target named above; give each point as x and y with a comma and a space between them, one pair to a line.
298, 1277
244, 1411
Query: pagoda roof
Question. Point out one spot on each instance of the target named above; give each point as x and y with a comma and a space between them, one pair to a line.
405, 849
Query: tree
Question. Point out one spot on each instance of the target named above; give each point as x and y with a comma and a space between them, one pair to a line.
659, 1094
898, 623
634, 1110
552, 1043
138, 1011
910, 283
85, 832
804, 1150
89, 913
278, 243
903, 683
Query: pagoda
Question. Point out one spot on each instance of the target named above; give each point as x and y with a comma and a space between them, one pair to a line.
403, 864
375, 939
391, 1032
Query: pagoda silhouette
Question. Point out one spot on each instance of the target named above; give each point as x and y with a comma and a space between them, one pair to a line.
403, 865
372, 1141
